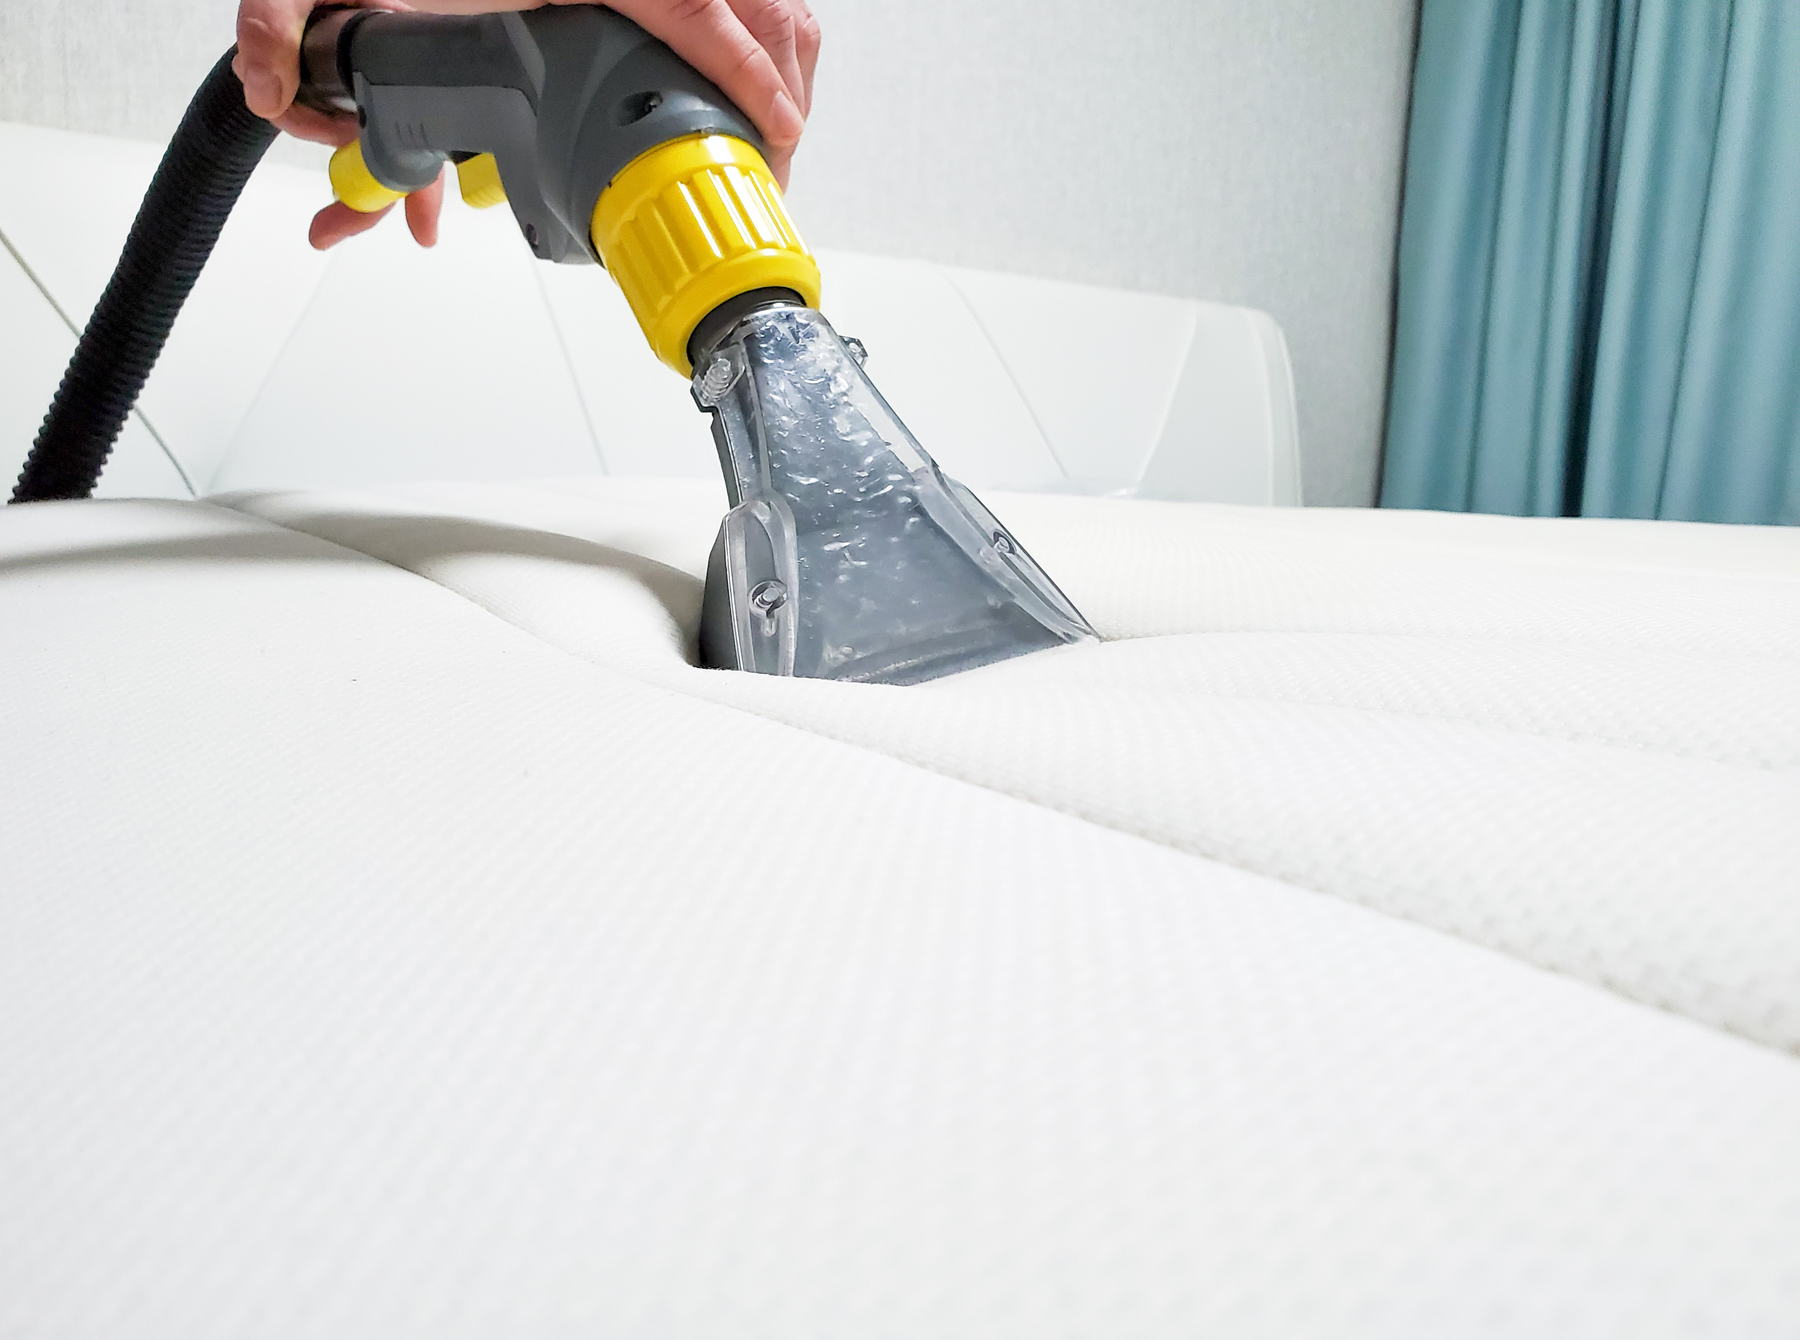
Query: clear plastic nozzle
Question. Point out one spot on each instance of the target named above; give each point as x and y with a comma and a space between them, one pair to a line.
847, 554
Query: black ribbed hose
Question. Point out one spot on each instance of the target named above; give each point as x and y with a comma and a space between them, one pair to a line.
215, 149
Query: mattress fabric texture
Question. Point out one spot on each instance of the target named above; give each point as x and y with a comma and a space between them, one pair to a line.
1391, 928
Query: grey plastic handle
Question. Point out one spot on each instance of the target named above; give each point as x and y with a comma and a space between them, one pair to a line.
563, 97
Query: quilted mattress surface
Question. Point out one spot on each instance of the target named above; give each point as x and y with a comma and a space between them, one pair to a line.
1393, 928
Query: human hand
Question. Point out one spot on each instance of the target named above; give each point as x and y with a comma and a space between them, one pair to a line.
761, 54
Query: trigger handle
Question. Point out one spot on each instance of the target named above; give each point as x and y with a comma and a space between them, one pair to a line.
355, 185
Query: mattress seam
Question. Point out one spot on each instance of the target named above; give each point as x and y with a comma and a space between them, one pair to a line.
1623, 745
1222, 853
1736, 654
1226, 854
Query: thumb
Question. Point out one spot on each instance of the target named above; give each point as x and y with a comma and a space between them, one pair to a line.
268, 59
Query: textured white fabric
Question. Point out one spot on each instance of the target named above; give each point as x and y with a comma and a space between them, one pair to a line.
1576, 742
369, 966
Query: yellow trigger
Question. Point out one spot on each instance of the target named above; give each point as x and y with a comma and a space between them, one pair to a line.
355, 185
479, 178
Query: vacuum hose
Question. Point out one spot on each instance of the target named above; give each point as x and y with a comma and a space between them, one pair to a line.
218, 145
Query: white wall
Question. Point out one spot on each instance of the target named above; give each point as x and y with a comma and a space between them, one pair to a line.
116, 67
1243, 150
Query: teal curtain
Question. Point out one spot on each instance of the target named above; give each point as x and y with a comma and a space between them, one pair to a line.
1598, 306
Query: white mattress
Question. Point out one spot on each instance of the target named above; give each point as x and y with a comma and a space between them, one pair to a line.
1393, 929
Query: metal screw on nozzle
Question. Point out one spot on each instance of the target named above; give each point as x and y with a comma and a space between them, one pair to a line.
765, 599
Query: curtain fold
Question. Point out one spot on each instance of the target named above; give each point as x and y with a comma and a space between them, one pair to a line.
1599, 271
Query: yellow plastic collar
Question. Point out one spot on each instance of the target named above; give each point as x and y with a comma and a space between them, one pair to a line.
691, 224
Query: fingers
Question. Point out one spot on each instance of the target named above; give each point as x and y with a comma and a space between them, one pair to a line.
710, 36
268, 65
762, 53
781, 164
422, 210
771, 23
776, 26
807, 38
337, 221
303, 123
268, 41
268, 59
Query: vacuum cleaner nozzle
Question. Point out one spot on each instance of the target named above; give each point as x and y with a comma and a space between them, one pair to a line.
847, 554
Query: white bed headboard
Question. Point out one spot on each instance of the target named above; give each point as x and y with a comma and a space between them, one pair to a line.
379, 362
